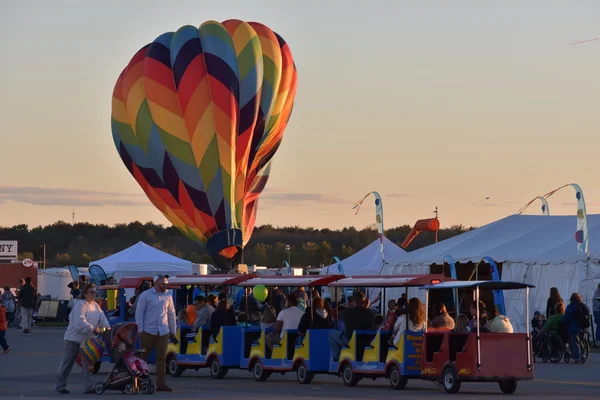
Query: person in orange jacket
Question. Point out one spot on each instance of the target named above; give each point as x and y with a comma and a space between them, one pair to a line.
3, 327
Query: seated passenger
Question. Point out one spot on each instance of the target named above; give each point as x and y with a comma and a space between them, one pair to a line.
242, 319
211, 299
390, 318
287, 319
320, 318
268, 318
462, 323
203, 312
378, 322
536, 323
355, 318
551, 326
190, 310
482, 318
442, 319
498, 323
252, 305
415, 314
223, 316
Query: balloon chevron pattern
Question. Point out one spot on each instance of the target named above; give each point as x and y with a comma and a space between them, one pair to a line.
197, 116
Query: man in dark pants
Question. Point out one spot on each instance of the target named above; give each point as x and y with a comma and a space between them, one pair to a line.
155, 317
27, 301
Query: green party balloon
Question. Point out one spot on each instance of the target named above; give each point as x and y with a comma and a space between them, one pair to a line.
260, 292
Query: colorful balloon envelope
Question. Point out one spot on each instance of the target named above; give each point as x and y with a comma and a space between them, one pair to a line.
197, 116
91, 351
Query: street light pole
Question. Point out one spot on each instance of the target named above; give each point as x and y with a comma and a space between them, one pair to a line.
288, 249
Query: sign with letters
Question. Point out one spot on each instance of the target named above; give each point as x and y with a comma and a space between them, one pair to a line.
8, 249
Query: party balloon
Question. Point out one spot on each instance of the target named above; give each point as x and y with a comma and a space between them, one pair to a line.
91, 351
260, 292
197, 116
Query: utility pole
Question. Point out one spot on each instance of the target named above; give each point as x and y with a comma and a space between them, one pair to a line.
73, 216
44, 261
436, 217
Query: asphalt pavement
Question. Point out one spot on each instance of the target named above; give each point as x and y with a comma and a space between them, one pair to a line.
28, 371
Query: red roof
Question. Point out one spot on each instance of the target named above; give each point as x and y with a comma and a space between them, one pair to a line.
390, 280
211, 280
293, 281
132, 283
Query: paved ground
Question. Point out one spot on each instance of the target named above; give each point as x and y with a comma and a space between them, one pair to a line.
28, 371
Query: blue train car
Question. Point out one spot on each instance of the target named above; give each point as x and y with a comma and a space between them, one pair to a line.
306, 358
204, 349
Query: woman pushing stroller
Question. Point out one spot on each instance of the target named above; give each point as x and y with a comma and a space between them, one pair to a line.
85, 322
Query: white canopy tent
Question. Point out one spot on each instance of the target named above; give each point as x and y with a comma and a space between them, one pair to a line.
368, 261
142, 260
539, 250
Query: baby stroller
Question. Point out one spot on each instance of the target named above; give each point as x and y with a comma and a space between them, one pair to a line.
129, 374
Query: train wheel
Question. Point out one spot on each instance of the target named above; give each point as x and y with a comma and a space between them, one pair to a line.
216, 370
450, 380
349, 377
508, 387
259, 373
397, 381
174, 369
303, 375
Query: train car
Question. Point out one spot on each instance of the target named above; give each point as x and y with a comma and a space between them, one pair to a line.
307, 358
479, 356
368, 353
195, 350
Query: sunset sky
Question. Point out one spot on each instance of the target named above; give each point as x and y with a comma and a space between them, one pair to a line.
431, 104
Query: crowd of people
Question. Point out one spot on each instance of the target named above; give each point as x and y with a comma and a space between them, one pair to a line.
567, 322
158, 317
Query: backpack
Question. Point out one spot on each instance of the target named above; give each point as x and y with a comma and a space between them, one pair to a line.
584, 316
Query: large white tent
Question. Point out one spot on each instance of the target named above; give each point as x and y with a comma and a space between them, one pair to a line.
142, 260
540, 250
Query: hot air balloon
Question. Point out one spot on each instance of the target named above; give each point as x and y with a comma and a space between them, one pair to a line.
197, 116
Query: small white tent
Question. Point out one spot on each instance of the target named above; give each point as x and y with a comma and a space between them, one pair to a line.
539, 250
368, 260
142, 260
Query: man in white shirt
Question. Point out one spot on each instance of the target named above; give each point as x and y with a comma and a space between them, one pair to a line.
288, 318
155, 318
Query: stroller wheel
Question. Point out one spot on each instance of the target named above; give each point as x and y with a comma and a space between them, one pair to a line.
99, 388
130, 389
147, 387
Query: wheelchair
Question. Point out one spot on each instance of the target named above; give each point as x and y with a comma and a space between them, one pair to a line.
549, 347
584, 342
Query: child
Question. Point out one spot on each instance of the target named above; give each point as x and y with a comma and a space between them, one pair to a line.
3, 327
138, 366
9, 300
537, 323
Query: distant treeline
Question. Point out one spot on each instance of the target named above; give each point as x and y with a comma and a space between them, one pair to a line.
81, 243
